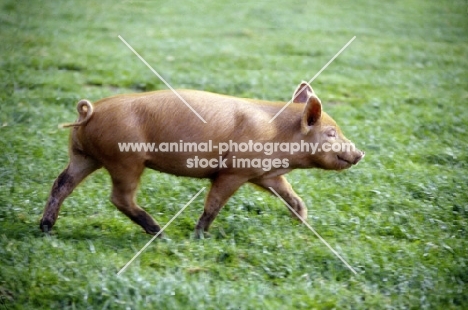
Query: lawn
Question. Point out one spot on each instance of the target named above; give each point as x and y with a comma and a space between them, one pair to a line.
400, 217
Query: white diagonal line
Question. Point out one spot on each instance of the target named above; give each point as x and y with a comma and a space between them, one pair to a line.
315, 76
313, 230
159, 232
163, 80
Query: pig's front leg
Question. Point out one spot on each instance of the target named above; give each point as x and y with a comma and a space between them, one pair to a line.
284, 189
222, 187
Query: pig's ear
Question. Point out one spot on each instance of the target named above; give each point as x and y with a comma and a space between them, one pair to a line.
311, 114
302, 93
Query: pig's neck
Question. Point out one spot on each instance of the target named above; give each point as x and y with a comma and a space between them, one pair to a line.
288, 129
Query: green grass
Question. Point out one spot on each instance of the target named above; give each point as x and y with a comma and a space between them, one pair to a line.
399, 218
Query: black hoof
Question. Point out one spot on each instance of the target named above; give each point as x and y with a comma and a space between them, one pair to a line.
201, 234
45, 225
154, 230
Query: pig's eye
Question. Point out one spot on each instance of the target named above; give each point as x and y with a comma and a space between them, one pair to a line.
332, 134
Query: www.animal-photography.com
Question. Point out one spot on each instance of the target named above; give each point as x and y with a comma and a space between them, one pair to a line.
233, 155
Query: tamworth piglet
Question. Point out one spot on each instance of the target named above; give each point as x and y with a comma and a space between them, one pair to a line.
243, 140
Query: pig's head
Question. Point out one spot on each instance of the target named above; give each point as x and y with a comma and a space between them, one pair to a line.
334, 151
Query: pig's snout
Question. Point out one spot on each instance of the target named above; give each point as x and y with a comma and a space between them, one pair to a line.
360, 155
350, 159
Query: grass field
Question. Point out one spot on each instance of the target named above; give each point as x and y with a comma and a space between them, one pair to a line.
399, 91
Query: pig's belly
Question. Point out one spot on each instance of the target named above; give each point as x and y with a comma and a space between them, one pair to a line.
199, 165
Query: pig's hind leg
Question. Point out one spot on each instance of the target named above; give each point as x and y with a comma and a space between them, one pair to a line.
125, 179
80, 167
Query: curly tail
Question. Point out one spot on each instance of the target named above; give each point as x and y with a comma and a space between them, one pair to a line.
85, 111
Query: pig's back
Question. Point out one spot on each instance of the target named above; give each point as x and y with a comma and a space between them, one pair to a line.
162, 115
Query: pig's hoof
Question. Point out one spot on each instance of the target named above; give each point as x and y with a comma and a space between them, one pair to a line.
46, 225
301, 215
201, 234
154, 230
